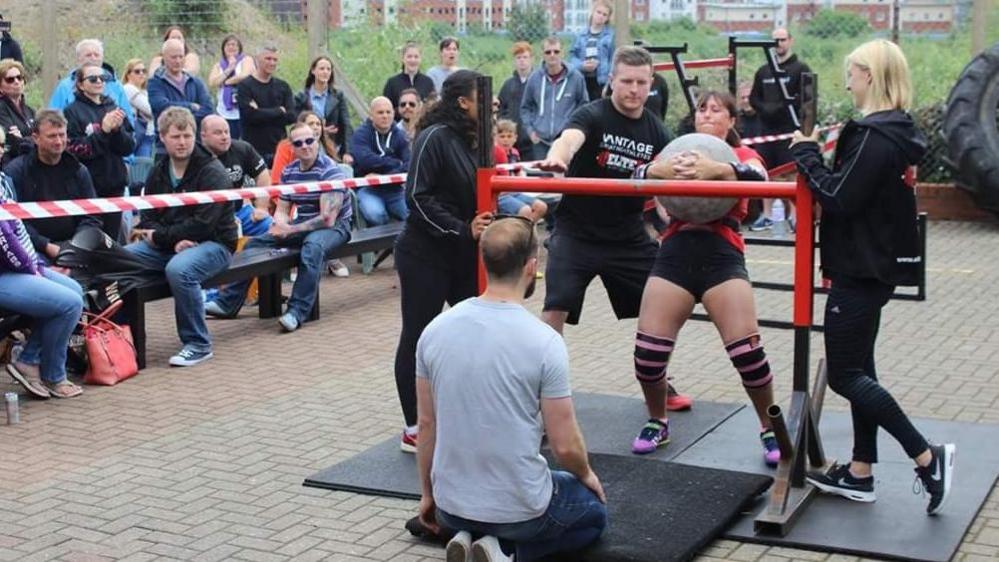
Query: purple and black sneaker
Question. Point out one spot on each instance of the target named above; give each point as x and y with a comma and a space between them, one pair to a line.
655, 434
771, 451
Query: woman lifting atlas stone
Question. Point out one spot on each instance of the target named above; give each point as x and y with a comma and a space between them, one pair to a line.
701, 260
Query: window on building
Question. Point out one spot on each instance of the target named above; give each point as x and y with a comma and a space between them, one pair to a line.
880, 16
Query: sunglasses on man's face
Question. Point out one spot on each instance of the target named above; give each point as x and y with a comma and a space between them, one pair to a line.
12, 79
407, 104
94, 79
553, 52
308, 141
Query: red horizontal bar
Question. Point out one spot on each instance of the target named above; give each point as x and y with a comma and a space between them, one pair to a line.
705, 63
645, 188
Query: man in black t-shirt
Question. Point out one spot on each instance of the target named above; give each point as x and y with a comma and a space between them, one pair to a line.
266, 105
241, 161
596, 235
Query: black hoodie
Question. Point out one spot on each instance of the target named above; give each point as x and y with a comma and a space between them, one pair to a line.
198, 223
102, 153
766, 98
22, 117
868, 228
36, 181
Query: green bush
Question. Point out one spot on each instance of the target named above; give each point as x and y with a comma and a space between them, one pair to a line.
830, 23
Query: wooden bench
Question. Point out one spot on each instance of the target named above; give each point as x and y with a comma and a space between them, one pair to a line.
267, 265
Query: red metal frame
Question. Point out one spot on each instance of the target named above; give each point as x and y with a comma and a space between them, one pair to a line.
491, 185
726, 62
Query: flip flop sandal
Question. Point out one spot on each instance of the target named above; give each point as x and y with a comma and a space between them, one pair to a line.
36, 390
63, 389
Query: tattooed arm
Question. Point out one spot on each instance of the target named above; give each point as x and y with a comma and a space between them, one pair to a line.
330, 203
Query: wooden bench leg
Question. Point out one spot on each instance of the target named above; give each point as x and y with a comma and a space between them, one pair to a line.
269, 296
367, 262
135, 318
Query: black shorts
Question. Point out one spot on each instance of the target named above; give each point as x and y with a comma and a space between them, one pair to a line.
697, 260
623, 268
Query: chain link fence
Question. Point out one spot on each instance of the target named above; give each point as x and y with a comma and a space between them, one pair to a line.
365, 36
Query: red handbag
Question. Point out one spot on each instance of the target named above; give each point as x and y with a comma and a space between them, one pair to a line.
110, 350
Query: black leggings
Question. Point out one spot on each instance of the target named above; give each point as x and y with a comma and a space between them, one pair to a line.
425, 286
853, 315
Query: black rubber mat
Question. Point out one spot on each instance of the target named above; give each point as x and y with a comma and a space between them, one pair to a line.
609, 423
896, 525
659, 512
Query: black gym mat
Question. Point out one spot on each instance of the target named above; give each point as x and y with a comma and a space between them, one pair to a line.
896, 526
660, 512
609, 423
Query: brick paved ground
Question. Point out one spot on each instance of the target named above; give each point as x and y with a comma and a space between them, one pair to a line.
207, 463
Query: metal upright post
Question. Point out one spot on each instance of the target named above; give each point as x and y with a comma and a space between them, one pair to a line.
485, 198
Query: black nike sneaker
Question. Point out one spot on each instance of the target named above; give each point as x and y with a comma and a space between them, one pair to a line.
936, 476
840, 482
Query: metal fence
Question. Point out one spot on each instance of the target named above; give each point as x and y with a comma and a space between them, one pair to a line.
364, 37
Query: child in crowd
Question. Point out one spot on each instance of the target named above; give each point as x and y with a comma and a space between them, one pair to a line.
504, 152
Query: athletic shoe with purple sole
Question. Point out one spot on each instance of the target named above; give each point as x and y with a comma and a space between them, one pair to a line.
655, 434
771, 451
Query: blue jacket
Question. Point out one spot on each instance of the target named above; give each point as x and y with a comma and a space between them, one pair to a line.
163, 94
605, 53
546, 107
375, 153
65, 93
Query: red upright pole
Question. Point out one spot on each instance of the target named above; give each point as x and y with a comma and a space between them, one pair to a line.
804, 256
485, 200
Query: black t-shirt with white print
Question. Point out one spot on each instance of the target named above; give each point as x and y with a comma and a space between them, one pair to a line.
615, 145
240, 161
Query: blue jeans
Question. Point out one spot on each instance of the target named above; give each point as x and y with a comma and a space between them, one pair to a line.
377, 203
512, 203
316, 246
575, 518
185, 272
250, 227
55, 301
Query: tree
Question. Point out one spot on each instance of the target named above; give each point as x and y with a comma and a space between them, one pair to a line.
528, 23
831, 23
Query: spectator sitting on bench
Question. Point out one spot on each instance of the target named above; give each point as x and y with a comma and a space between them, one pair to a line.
322, 225
190, 243
505, 152
240, 160
380, 146
49, 173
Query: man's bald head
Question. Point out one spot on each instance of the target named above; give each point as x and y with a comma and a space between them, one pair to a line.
507, 245
382, 114
784, 42
173, 56
215, 134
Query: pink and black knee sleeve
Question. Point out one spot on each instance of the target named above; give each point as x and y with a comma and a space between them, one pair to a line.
651, 357
750, 360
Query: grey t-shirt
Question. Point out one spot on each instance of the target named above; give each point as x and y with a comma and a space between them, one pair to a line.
438, 74
489, 365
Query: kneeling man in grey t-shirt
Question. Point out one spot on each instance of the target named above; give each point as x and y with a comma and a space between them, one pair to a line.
485, 371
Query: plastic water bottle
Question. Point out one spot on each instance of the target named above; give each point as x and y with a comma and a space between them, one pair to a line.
13, 411
777, 215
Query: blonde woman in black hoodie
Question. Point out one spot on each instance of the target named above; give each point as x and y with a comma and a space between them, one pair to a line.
870, 246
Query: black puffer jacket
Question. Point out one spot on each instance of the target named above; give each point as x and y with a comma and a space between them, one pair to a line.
868, 228
22, 117
198, 223
102, 153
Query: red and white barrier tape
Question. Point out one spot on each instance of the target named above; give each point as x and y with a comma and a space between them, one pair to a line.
774, 138
79, 207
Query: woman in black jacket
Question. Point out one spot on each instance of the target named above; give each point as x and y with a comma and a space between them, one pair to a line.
100, 137
320, 97
409, 77
869, 246
435, 254
16, 116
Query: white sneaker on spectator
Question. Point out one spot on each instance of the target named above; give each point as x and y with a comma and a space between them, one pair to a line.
487, 549
459, 548
189, 357
337, 268
289, 322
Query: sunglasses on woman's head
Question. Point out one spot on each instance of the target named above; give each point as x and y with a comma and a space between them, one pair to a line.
308, 141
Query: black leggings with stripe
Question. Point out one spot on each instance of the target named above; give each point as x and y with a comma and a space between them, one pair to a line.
852, 319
